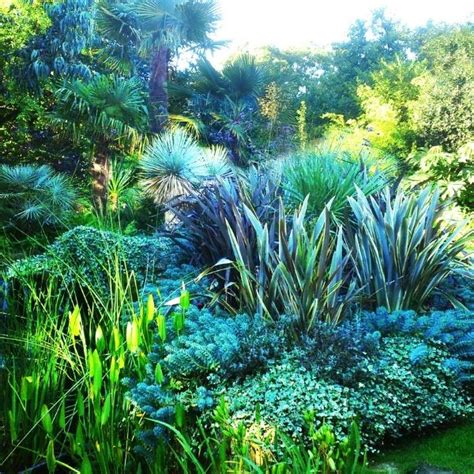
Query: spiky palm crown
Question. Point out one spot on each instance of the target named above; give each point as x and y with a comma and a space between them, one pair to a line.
174, 164
109, 106
35, 195
240, 79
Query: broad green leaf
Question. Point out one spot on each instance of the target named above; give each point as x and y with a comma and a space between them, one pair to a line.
62, 414
86, 466
46, 420
26, 390
178, 319
96, 374
99, 339
80, 404
50, 457
150, 308
104, 417
133, 335
185, 300
161, 323
180, 415
159, 374
75, 323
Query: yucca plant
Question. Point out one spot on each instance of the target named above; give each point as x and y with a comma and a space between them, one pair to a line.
35, 195
174, 165
325, 175
298, 272
399, 249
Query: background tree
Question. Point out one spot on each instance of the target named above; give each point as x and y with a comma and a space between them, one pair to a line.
443, 114
61, 49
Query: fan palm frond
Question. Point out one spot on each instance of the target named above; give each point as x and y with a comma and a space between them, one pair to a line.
244, 76
197, 19
117, 22
35, 194
108, 105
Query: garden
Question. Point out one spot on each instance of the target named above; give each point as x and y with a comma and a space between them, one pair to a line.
263, 266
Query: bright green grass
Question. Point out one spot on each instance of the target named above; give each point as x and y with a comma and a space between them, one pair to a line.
451, 449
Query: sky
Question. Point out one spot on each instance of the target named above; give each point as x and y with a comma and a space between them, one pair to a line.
293, 23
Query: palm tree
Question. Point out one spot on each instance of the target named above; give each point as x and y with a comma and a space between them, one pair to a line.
241, 78
225, 102
108, 110
159, 28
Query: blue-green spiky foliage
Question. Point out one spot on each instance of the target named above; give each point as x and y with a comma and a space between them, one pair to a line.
453, 328
59, 50
214, 348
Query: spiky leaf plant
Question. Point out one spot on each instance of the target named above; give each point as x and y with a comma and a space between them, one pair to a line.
34, 195
205, 215
298, 272
400, 251
174, 165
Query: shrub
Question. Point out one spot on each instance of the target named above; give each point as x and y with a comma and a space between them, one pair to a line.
405, 387
208, 351
409, 388
326, 175
453, 328
452, 172
400, 253
35, 196
84, 260
287, 390
340, 352
204, 216
297, 272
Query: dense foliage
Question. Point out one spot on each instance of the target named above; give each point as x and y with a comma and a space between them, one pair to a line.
261, 267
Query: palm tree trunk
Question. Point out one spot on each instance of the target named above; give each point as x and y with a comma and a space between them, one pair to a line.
100, 175
158, 89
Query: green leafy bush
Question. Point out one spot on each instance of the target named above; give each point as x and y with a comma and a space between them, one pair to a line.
404, 388
453, 328
84, 259
452, 172
409, 388
400, 252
